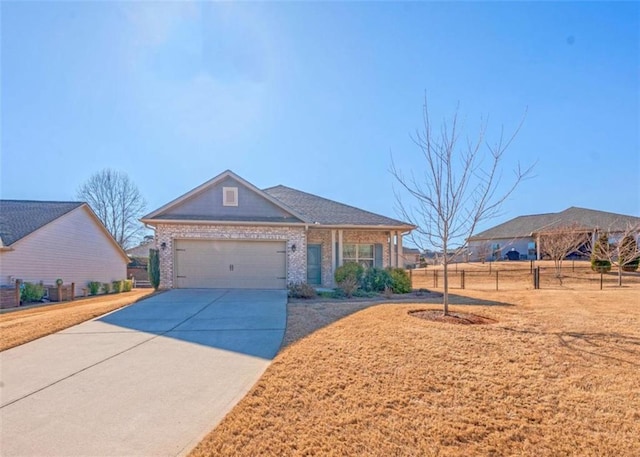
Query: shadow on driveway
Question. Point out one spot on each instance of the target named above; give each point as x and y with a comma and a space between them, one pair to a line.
250, 322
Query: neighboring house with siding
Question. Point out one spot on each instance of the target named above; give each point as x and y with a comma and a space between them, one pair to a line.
228, 233
521, 234
41, 241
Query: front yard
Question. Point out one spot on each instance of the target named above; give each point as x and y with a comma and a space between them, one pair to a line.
19, 326
557, 374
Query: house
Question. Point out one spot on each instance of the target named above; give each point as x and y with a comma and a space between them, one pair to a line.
227, 233
139, 260
521, 234
410, 257
41, 241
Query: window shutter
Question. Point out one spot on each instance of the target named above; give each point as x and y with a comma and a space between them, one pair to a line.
378, 256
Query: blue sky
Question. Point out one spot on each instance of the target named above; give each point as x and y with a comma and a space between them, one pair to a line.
317, 96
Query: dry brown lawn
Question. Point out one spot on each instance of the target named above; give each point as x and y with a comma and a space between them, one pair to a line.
576, 275
558, 374
24, 325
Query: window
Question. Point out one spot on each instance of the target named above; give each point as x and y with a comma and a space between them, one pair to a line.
531, 249
359, 253
230, 196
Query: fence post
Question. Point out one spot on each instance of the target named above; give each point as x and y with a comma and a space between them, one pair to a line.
531, 266
18, 283
60, 297
490, 262
601, 276
497, 279
462, 279
435, 278
73, 291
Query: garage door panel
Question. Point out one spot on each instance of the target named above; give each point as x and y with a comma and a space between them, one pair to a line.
230, 264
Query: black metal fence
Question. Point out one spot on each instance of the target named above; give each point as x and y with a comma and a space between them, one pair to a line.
522, 276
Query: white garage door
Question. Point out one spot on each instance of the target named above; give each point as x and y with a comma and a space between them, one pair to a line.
230, 264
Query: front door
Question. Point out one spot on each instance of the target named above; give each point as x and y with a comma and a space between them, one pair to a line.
314, 264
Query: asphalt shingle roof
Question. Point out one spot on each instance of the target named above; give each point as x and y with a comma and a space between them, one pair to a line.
589, 219
323, 211
19, 218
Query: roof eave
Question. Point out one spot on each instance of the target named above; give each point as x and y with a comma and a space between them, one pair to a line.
155, 222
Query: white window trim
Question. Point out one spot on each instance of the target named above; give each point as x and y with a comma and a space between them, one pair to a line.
358, 258
225, 201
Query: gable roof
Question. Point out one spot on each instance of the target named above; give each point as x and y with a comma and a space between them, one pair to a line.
19, 218
527, 226
322, 211
304, 208
158, 213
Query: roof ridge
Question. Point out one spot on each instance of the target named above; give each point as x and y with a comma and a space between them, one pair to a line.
79, 202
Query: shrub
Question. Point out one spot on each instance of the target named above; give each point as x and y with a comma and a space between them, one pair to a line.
154, 268
349, 270
127, 285
349, 285
376, 280
116, 286
400, 281
106, 287
301, 290
30, 292
94, 287
599, 261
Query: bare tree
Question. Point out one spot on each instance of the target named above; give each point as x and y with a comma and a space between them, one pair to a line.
456, 191
560, 242
483, 251
117, 202
621, 249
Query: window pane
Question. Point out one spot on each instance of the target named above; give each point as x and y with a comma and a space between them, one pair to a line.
366, 263
365, 251
349, 251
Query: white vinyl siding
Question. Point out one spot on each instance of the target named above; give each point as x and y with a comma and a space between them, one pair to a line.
73, 248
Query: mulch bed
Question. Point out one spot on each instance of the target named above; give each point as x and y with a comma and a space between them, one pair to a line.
457, 318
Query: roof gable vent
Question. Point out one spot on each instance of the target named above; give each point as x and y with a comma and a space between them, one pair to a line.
230, 196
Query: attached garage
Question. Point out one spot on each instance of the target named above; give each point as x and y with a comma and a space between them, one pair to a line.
217, 264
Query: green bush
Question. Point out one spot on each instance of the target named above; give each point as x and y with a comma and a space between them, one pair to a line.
349, 270
348, 277
127, 285
94, 287
599, 260
376, 280
154, 268
106, 287
116, 286
30, 292
302, 290
400, 281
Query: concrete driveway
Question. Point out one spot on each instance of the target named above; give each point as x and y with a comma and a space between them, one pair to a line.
149, 380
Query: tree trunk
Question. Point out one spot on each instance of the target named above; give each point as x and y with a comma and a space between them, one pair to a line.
619, 274
445, 263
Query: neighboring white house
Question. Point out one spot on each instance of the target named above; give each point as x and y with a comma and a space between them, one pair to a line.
41, 241
520, 236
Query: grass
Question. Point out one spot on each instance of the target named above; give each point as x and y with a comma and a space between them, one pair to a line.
24, 325
556, 375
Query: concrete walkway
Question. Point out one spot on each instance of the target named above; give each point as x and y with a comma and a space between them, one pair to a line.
149, 380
